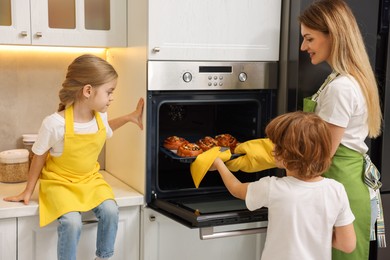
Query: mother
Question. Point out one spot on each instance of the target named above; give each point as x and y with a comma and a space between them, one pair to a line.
348, 101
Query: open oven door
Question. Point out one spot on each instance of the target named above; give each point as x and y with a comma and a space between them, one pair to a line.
208, 211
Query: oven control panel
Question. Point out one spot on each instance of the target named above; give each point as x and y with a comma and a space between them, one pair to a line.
178, 75
214, 81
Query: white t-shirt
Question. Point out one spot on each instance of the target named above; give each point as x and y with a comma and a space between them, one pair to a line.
342, 103
52, 131
301, 216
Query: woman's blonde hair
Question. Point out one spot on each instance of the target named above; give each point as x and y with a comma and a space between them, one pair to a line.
348, 53
85, 69
302, 142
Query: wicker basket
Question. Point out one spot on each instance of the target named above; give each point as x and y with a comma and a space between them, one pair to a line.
14, 165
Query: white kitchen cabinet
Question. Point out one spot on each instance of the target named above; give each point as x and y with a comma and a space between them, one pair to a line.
246, 30
36, 243
90, 23
15, 22
164, 239
8, 239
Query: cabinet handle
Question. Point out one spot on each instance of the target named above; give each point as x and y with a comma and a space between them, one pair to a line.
156, 49
152, 218
23, 33
208, 232
38, 34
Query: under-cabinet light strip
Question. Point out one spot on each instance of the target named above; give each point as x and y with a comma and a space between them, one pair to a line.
22, 48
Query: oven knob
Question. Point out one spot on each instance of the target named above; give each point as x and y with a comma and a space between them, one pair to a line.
242, 76
187, 77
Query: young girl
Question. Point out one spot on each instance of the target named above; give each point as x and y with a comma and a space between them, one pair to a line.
307, 213
65, 157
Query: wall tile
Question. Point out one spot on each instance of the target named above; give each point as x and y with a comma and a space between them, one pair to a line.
29, 85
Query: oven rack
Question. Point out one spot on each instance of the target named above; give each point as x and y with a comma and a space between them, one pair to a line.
172, 154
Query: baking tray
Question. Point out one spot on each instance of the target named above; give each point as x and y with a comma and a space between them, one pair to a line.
172, 154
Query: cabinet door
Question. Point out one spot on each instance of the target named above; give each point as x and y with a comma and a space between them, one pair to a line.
166, 239
35, 243
8, 239
214, 30
92, 23
15, 22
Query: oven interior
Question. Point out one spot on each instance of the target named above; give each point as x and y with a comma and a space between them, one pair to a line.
243, 114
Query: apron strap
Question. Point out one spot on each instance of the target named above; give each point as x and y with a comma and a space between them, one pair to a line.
329, 79
99, 121
371, 179
69, 129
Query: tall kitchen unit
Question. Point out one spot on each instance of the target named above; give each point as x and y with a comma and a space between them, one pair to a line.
381, 146
215, 33
299, 79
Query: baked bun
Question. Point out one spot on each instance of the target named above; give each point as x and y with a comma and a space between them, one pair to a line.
226, 140
174, 142
207, 143
189, 150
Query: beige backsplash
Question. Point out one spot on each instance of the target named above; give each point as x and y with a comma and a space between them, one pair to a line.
29, 83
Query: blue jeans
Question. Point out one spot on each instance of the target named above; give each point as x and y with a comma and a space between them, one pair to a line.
69, 230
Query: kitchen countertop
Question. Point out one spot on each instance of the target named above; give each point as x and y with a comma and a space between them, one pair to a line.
124, 196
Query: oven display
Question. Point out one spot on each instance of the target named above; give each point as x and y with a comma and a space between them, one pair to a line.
215, 69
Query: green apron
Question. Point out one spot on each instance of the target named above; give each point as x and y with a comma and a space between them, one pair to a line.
347, 168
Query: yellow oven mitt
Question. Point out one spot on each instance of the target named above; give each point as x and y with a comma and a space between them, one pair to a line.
204, 161
257, 156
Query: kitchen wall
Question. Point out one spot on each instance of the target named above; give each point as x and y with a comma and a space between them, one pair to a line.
30, 78
125, 151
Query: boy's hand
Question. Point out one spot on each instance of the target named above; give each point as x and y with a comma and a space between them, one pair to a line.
257, 156
215, 163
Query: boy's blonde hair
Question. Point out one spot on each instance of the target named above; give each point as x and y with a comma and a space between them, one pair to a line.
348, 54
302, 143
86, 69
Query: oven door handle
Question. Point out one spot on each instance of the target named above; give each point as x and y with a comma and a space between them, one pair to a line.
208, 232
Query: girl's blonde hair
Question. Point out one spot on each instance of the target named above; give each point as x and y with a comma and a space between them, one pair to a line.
302, 142
85, 69
348, 54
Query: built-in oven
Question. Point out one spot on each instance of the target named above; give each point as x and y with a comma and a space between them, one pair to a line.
197, 99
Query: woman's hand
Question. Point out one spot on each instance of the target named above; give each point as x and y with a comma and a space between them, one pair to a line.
257, 156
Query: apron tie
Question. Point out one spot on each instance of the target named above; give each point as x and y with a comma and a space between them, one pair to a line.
371, 179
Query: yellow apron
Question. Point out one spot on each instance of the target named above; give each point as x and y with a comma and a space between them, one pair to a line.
72, 182
347, 168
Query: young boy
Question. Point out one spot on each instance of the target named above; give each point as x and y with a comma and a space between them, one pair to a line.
307, 213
